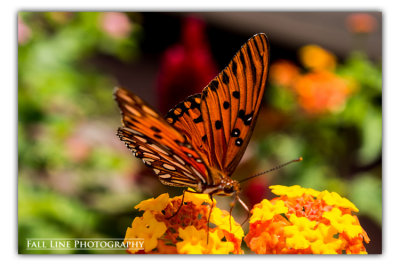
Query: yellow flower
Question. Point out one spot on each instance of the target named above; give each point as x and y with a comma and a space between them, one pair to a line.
343, 222
328, 244
224, 221
293, 191
195, 242
298, 234
148, 228
152, 204
198, 199
319, 247
315, 57
267, 210
332, 198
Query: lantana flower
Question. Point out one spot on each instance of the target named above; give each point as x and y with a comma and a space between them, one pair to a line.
322, 91
186, 232
305, 221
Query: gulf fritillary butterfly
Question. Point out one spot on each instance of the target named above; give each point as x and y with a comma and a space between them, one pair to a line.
202, 139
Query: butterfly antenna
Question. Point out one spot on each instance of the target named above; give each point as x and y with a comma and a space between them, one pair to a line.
273, 169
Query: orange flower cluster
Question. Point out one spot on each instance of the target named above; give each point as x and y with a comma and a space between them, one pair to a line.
319, 90
187, 232
322, 91
305, 221
284, 73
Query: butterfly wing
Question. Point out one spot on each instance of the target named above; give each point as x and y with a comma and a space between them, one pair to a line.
158, 144
219, 122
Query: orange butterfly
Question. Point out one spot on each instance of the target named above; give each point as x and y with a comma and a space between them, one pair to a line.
201, 140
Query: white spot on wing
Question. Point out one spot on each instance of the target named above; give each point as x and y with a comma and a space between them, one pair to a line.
165, 176
198, 174
147, 161
169, 167
137, 133
179, 159
133, 110
189, 175
151, 156
157, 148
149, 111
141, 139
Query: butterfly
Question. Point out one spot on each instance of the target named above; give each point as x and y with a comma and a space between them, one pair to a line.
202, 139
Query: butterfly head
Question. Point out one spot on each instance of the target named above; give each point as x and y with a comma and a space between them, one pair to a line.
224, 185
229, 187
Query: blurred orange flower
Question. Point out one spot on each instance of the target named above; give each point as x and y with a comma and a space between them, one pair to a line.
305, 221
283, 73
315, 57
361, 23
322, 91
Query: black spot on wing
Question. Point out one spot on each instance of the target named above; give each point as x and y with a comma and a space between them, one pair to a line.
155, 129
239, 142
242, 61
252, 66
226, 105
235, 132
214, 85
198, 119
218, 124
234, 68
247, 119
225, 77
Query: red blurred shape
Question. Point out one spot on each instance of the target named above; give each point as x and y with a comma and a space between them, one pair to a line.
256, 191
361, 23
186, 67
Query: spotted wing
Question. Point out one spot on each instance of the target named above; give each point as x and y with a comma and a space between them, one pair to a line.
219, 122
158, 144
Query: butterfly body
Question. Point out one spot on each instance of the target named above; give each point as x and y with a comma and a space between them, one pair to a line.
223, 185
201, 140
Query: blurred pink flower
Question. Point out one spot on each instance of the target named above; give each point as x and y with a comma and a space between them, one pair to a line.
116, 24
78, 150
186, 67
24, 32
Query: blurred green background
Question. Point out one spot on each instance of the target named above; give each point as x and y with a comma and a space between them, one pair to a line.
77, 180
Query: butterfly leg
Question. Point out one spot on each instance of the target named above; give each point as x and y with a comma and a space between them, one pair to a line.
209, 216
245, 207
232, 204
180, 206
